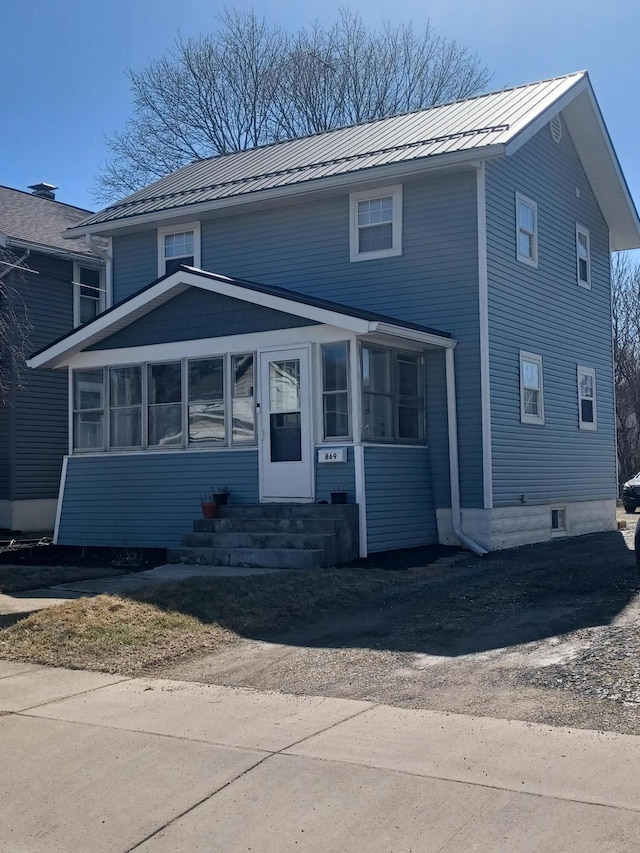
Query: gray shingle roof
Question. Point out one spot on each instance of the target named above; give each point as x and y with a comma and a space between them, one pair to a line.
41, 221
463, 126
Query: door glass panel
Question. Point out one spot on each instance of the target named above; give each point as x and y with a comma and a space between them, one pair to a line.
284, 411
284, 385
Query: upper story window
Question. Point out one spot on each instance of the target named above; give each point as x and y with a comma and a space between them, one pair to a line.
587, 416
526, 230
376, 223
88, 293
531, 395
583, 256
392, 395
177, 245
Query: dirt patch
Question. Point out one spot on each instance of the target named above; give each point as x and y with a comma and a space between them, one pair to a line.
545, 634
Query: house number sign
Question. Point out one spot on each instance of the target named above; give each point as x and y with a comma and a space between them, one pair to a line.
332, 454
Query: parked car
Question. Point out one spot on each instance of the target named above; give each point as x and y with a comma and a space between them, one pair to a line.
630, 493
636, 545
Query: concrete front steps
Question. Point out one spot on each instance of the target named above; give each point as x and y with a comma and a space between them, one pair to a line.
272, 536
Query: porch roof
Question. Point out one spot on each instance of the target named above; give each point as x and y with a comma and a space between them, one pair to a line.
282, 299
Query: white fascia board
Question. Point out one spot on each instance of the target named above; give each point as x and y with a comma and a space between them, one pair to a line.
372, 175
523, 134
412, 335
124, 314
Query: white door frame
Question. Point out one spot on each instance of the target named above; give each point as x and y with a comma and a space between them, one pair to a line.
305, 473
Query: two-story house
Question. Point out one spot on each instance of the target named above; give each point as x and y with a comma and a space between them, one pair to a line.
52, 284
416, 309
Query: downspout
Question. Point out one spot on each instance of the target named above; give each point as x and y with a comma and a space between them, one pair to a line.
454, 469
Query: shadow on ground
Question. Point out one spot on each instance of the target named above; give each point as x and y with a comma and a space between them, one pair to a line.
504, 599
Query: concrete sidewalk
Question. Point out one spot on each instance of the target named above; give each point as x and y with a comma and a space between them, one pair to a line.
104, 763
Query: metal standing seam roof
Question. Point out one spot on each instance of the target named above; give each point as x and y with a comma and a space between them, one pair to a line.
41, 221
484, 120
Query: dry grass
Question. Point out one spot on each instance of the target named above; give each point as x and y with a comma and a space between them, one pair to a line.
185, 619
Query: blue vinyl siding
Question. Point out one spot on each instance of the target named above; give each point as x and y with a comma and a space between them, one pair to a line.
335, 476
400, 512
40, 418
542, 310
148, 500
197, 314
305, 247
438, 427
135, 263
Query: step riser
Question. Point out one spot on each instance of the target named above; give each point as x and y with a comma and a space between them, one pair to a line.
257, 540
319, 511
264, 525
263, 558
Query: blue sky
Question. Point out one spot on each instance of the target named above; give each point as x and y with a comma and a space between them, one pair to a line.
64, 89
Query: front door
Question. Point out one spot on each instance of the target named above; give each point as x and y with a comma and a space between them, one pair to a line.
286, 447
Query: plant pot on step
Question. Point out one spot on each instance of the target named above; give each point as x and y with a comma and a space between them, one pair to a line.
209, 509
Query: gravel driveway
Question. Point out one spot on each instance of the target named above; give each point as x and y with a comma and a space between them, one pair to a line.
547, 633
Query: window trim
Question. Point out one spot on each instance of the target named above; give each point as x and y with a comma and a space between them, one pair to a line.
582, 424
525, 417
77, 292
582, 231
527, 202
166, 230
395, 192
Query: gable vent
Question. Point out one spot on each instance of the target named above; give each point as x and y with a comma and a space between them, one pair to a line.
556, 128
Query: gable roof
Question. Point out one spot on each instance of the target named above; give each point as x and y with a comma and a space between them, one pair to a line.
279, 298
483, 126
29, 221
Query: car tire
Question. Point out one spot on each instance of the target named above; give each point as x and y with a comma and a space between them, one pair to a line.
628, 507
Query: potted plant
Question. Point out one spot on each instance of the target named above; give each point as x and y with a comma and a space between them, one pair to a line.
220, 495
339, 494
209, 504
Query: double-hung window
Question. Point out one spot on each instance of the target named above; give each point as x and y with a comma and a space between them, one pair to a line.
125, 407
164, 383
178, 245
206, 401
526, 230
88, 293
531, 394
88, 409
583, 256
376, 223
335, 390
587, 414
392, 395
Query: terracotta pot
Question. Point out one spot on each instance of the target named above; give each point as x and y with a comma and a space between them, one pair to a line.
209, 509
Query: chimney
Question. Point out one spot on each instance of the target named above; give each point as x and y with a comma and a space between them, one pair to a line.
44, 191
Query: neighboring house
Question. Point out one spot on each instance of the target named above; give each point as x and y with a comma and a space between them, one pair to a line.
416, 309
58, 283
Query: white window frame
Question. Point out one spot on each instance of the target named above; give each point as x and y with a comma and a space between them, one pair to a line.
77, 292
587, 371
581, 231
396, 223
522, 200
166, 230
525, 417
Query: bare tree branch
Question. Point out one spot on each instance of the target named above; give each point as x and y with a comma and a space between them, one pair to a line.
250, 83
14, 324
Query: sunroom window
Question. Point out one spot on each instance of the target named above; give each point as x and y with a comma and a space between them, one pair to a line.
392, 395
166, 405
88, 409
335, 390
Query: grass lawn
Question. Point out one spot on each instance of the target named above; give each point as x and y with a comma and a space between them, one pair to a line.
195, 616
